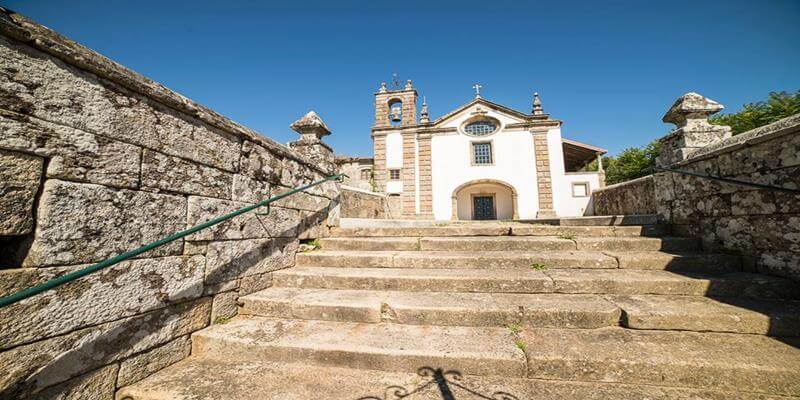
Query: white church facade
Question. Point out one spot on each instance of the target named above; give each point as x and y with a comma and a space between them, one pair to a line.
481, 161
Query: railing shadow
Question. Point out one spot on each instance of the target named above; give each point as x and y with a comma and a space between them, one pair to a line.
444, 384
31, 367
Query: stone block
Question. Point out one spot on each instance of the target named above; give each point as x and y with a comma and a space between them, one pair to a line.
191, 248
263, 222
254, 283
145, 364
293, 174
45, 87
173, 174
95, 385
750, 202
80, 223
260, 164
123, 290
780, 263
313, 225
249, 190
301, 200
776, 232
229, 260
19, 181
73, 154
224, 306
734, 233
54, 360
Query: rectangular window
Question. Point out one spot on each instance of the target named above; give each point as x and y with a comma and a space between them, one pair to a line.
366, 174
580, 189
482, 153
394, 174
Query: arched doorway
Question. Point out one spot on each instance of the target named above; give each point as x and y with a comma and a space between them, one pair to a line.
485, 199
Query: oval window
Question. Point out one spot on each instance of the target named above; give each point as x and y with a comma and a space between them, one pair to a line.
480, 128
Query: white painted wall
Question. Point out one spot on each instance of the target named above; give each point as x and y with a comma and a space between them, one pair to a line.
576, 206
394, 160
513, 164
503, 200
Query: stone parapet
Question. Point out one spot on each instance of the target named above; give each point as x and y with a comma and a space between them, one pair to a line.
633, 197
96, 160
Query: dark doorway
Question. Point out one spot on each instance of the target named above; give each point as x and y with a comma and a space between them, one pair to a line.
483, 208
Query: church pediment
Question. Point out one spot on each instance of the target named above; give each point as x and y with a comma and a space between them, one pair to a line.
480, 107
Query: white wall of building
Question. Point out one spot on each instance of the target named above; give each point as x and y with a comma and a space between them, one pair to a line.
576, 206
452, 167
394, 160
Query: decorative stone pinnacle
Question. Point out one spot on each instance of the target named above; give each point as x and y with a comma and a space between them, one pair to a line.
310, 127
383, 88
691, 109
423, 114
537, 105
409, 86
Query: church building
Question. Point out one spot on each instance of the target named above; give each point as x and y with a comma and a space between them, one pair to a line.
481, 161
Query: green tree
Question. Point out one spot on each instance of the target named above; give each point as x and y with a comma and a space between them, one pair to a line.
778, 105
631, 163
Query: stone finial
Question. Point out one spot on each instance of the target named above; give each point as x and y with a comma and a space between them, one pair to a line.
691, 109
690, 114
310, 127
409, 86
383, 88
537, 105
423, 114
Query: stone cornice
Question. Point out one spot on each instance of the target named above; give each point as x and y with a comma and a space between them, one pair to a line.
20, 28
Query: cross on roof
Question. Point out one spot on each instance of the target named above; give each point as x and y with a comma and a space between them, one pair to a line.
477, 88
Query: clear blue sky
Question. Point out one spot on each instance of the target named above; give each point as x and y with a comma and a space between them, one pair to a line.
609, 69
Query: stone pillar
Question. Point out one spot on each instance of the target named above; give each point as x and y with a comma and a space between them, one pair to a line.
311, 130
690, 114
544, 182
408, 174
425, 175
601, 172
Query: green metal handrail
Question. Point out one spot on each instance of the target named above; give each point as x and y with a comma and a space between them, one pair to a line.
53, 283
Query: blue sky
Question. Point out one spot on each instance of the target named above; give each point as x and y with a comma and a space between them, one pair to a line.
608, 69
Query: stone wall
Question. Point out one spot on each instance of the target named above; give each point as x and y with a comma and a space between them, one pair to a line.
96, 160
762, 225
357, 203
627, 198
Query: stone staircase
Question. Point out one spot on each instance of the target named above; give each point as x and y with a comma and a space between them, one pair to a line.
500, 311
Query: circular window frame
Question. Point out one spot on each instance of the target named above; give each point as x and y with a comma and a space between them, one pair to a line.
495, 121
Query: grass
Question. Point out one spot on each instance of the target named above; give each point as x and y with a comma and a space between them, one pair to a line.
514, 328
567, 236
520, 344
538, 267
221, 320
315, 243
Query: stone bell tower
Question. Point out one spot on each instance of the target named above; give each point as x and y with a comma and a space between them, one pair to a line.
396, 107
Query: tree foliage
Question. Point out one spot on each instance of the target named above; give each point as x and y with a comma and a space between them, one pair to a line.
778, 105
631, 163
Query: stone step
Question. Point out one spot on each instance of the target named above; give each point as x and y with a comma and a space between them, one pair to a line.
386, 347
603, 220
434, 308
650, 260
702, 314
510, 243
528, 280
500, 230
720, 361
227, 378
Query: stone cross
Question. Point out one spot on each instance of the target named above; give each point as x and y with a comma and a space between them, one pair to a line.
477, 88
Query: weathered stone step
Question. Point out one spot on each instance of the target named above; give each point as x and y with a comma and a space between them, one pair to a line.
500, 230
227, 378
738, 315
510, 243
721, 361
434, 308
528, 280
386, 347
651, 260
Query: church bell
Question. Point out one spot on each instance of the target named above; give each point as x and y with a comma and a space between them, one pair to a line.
397, 114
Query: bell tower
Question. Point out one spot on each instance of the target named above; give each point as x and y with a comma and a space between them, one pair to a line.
396, 107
